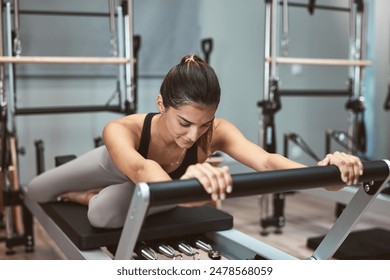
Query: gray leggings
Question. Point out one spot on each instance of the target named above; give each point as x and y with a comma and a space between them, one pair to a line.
107, 209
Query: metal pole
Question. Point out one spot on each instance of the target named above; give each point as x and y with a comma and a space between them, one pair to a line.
113, 41
11, 75
355, 105
130, 98
270, 103
267, 49
17, 43
3, 107
4, 138
285, 39
3, 100
121, 53
267, 71
274, 19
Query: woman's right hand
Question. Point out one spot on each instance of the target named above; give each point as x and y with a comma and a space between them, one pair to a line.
217, 181
350, 168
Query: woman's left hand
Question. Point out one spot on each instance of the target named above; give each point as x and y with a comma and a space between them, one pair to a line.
350, 168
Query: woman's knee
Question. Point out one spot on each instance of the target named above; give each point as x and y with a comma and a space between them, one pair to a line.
35, 191
106, 215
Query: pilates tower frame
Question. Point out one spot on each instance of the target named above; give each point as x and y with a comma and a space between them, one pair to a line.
271, 103
124, 48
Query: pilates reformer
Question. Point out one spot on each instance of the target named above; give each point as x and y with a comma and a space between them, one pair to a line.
67, 223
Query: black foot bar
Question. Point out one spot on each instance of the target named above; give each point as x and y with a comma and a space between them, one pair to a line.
376, 175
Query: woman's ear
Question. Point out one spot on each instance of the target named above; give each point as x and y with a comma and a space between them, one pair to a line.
160, 104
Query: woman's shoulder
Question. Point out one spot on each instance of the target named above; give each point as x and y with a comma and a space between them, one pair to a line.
224, 129
131, 120
129, 127
220, 124
133, 123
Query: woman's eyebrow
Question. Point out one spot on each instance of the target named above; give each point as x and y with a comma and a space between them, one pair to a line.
189, 122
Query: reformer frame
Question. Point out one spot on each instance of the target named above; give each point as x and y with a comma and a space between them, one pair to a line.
231, 243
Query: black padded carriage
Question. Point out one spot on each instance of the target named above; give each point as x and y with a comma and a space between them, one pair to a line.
73, 221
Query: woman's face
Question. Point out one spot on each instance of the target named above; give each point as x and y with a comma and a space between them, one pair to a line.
187, 123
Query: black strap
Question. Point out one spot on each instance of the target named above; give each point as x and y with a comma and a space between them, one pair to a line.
191, 156
145, 135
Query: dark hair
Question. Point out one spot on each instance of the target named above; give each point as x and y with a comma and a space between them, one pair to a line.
192, 81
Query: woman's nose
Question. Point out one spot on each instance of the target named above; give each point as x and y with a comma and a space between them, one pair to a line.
193, 134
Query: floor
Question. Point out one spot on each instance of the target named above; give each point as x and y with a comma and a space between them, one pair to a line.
306, 216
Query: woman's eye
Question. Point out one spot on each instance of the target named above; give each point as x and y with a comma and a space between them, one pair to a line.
184, 124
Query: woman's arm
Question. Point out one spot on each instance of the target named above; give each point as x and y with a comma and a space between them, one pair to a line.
121, 137
231, 141
228, 139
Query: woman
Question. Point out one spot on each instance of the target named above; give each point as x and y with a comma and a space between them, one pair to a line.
172, 144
